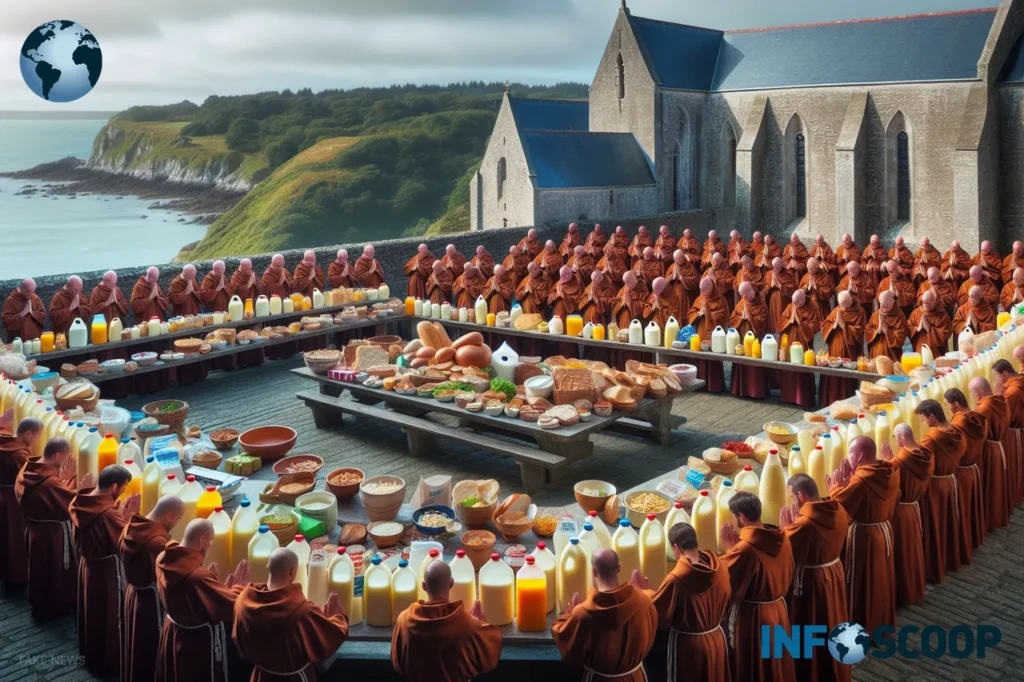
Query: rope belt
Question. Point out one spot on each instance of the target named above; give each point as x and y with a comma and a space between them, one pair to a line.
218, 643
798, 575
673, 635
69, 546
956, 494
851, 547
1002, 451
917, 508
589, 673
734, 612
122, 582
301, 672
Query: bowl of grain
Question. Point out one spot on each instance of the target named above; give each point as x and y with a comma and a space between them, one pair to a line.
640, 503
299, 464
382, 497
433, 519
344, 482
385, 533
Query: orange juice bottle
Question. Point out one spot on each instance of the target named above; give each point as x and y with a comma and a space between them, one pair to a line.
134, 486
531, 597
107, 452
208, 502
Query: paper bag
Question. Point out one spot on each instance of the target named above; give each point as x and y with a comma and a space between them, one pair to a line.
433, 490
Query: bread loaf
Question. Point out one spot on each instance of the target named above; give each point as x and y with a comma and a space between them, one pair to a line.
369, 356
444, 355
470, 339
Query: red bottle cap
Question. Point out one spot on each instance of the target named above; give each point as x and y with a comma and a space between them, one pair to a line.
218, 509
434, 552
495, 557
129, 461
704, 493
170, 477
299, 537
190, 478
341, 550
651, 517
530, 560
773, 451
211, 489
109, 435
678, 505
542, 545
747, 467
591, 513
460, 553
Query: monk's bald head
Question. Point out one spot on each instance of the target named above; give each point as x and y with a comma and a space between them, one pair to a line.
875, 240
928, 300
977, 272
28, 285
663, 230
642, 229
1018, 277
1018, 248
629, 279
579, 251
986, 246
658, 285
976, 294
713, 235
757, 237
1018, 354
892, 267
886, 299
687, 233
532, 234
565, 274
717, 260
282, 566
648, 253
799, 298
342, 255
277, 261
152, 274
75, 284
533, 269
167, 511
904, 434
606, 565
933, 275
437, 266
499, 271
110, 277
480, 250
450, 249
245, 265
573, 227
549, 246
747, 291
198, 535
679, 256
747, 262
845, 299
812, 264
369, 251
706, 287
597, 277
309, 257
847, 239
189, 271
598, 229
853, 268
980, 388
862, 450
437, 580
777, 264
218, 267
899, 242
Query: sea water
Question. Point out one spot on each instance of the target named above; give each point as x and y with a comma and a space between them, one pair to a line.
45, 235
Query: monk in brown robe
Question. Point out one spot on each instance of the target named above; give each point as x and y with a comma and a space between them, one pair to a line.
612, 264
629, 300
195, 635
689, 244
817, 530
768, 255
1009, 384
779, 285
418, 269
1012, 294
216, 288
439, 285
929, 325
692, 603
926, 258
956, 264
309, 276
531, 244
684, 280
795, 255
708, 311
565, 295
748, 272
887, 328
843, 333
140, 544
484, 262
736, 250
532, 292
900, 285
276, 280
945, 290
649, 267
847, 252
979, 278
1013, 260
721, 274
859, 284
800, 321
665, 246
148, 299
595, 302
368, 271
818, 285
974, 428
570, 241
991, 261
868, 488
620, 243
455, 263
641, 242
247, 287
340, 271
756, 245
23, 313
916, 466
904, 258
712, 245
976, 313
995, 464
98, 520
107, 300
750, 315
499, 290
520, 259
608, 632
660, 305
468, 287
549, 261
15, 452
184, 292
761, 567
581, 264
942, 533
68, 303
284, 635
874, 258
595, 242
826, 257
439, 640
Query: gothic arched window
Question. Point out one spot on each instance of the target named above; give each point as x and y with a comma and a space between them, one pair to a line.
502, 175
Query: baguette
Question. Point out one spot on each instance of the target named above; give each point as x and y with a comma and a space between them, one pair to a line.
429, 336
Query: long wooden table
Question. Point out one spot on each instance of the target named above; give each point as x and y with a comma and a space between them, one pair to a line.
556, 447
656, 350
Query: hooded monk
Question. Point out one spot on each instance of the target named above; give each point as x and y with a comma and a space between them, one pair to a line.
565, 295
684, 280
23, 313
98, 521
979, 278
847, 252
438, 640
530, 243
549, 260
368, 270
995, 464
989, 259
916, 467
596, 299
499, 290
818, 285
974, 428
609, 632
665, 245
582, 264
569, 243
1012, 294
659, 305
629, 301
1010, 385
1013, 260
418, 269
800, 322
976, 313
899, 284
795, 255
956, 263
843, 333
200, 609
642, 241
308, 275
44, 493
887, 328
749, 315
532, 292
67, 304
596, 241
710, 310
926, 258
140, 544
612, 264
107, 300
276, 280
15, 452
779, 285
817, 530
721, 274
712, 245
860, 284
216, 288
868, 489
484, 261
929, 325
944, 289
468, 287
340, 271
874, 257
286, 636
903, 256
185, 293
942, 534
439, 284
759, 559
148, 299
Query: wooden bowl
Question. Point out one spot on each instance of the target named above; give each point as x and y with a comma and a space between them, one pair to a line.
345, 491
384, 541
209, 459
224, 439
381, 506
385, 342
285, 533
511, 531
637, 517
282, 467
479, 554
593, 503
87, 405
475, 517
268, 442
308, 483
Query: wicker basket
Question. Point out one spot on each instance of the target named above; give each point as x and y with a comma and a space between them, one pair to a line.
571, 385
174, 419
326, 359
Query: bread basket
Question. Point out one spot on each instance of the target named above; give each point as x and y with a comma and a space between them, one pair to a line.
169, 412
319, 361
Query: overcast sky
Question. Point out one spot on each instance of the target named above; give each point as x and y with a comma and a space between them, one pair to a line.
161, 51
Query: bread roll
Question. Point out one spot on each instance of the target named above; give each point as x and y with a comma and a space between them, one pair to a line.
470, 339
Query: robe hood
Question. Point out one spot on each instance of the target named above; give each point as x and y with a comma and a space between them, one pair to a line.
877, 477
822, 514
697, 577
176, 563
974, 425
268, 607
615, 608
917, 462
137, 534
768, 539
35, 472
439, 622
89, 506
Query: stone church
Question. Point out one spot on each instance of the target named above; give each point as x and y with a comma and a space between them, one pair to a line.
910, 125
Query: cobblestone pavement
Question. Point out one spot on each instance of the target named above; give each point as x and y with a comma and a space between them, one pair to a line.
990, 591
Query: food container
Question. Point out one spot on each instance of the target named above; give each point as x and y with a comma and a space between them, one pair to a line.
320, 505
268, 442
435, 509
603, 408
494, 408
687, 374
115, 366
446, 396
780, 432
319, 361
478, 545
475, 517
208, 459
344, 491
224, 439
585, 416
589, 502
297, 464
384, 541
637, 515
41, 382
284, 532
511, 411
304, 483
897, 384
382, 506
539, 387
511, 505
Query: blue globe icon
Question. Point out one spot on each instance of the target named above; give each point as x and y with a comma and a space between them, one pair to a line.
849, 643
61, 61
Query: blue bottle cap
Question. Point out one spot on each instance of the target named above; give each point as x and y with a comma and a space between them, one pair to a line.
727, 482
827, 435
244, 503
375, 561
625, 522
264, 528
574, 541
126, 440
403, 563
93, 429
150, 459
588, 526
795, 448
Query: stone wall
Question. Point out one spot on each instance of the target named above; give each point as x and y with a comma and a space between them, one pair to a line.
515, 208
599, 204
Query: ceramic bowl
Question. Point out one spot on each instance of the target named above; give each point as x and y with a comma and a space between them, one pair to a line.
224, 439
478, 545
585, 416
495, 411
432, 530
406, 390
144, 359
781, 438
637, 517
320, 505
268, 442
115, 366
539, 387
348, 490
594, 503
281, 467
381, 506
383, 541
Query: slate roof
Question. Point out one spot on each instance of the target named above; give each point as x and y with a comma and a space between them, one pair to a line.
916, 48
550, 114
568, 160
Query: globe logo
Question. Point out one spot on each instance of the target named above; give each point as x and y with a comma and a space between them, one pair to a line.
849, 643
61, 61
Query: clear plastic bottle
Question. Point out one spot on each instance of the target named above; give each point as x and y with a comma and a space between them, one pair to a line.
796, 465
652, 551
677, 514
189, 494
318, 564
464, 577
88, 451
531, 597
497, 591
302, 551
545, 559
626, 544
260, 548
747, 481
341, 579
566, 529
589, 541
432, 555
170, 485
816, 469
773, 488
151, 476
128, 450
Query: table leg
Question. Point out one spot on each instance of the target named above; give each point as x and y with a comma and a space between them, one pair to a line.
659, 415
572, 450
534, 476
420, 443
331, 390
325, 417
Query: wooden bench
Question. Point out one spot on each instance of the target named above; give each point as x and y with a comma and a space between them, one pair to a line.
536, 465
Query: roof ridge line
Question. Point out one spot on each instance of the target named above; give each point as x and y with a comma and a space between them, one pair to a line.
865, 20
573, 132
550, 99
677, 23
